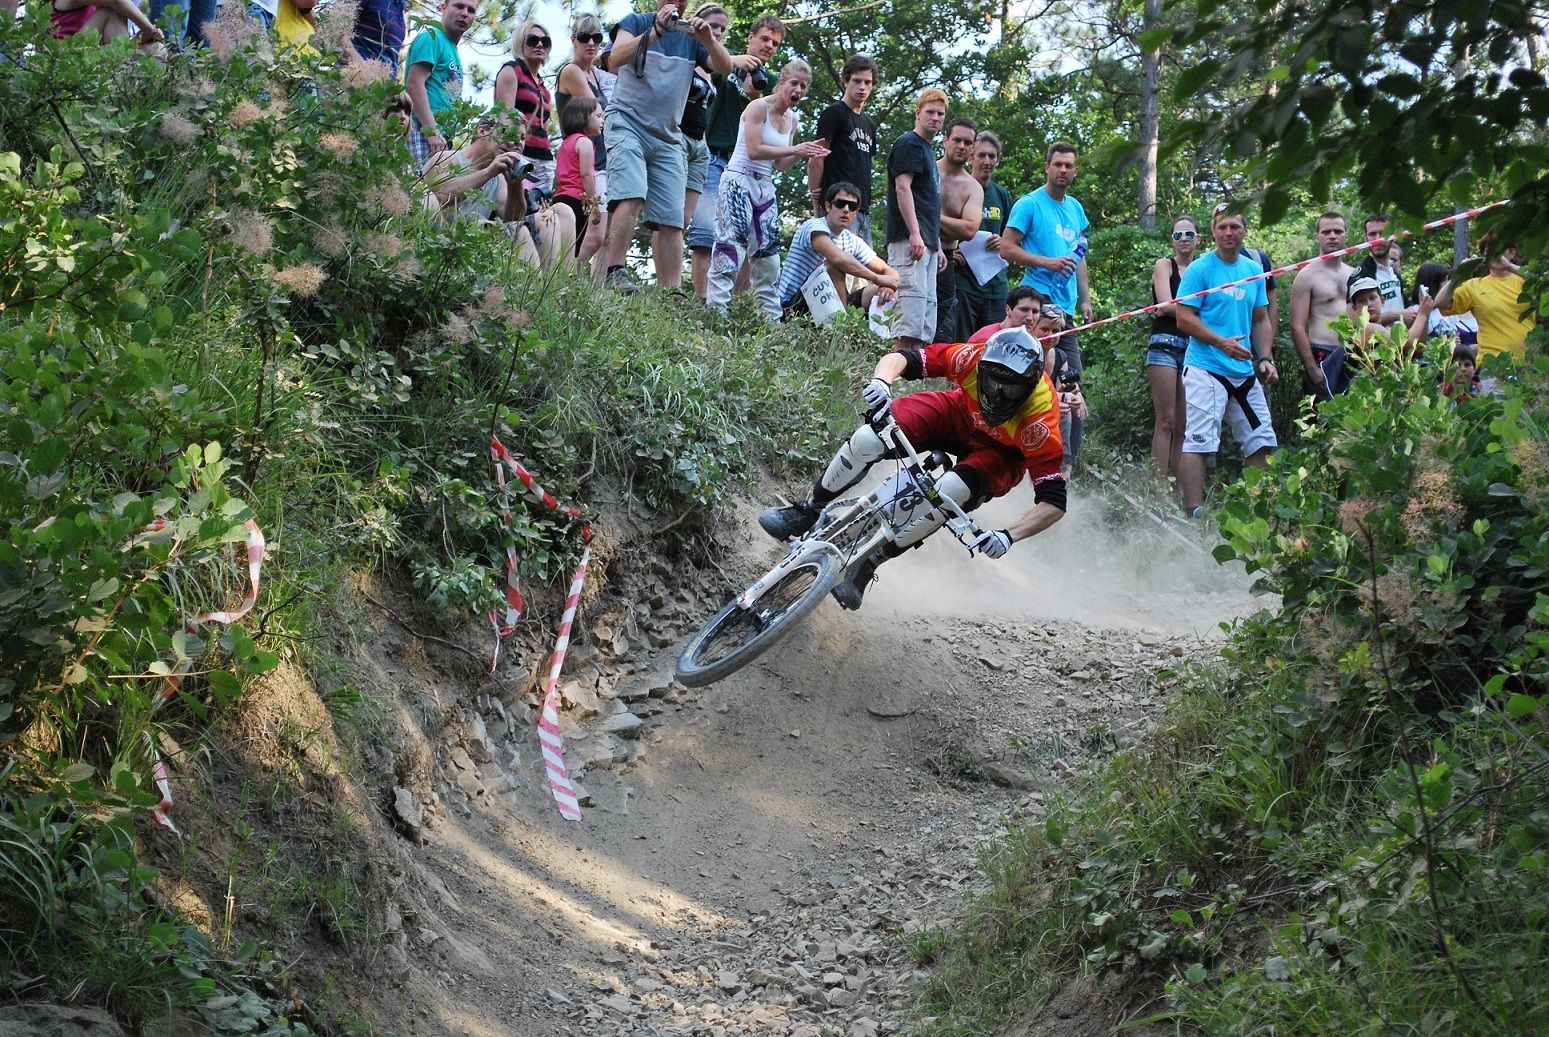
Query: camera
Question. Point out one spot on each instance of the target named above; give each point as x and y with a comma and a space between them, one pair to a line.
760, 79
700, 91
1070, 380
675, 23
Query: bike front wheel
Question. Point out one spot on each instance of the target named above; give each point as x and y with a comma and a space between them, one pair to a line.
736, 636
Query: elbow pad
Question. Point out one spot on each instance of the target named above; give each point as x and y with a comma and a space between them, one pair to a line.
1051, 491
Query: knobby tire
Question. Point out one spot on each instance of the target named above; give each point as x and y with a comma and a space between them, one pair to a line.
745, 634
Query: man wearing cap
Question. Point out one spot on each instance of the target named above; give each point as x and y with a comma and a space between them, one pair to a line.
1229, 356
1378, 265
1317, 301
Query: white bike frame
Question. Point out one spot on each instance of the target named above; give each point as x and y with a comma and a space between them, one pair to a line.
847, 514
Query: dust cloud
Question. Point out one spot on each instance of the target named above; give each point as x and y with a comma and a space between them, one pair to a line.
1104, 565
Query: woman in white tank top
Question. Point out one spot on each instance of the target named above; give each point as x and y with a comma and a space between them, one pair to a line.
747, 223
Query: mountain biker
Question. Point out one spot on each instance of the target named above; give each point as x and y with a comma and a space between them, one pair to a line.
1002, 418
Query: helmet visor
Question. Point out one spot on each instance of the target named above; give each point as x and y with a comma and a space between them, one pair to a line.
1001, 393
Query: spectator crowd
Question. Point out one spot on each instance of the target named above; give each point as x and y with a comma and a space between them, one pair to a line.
655, 123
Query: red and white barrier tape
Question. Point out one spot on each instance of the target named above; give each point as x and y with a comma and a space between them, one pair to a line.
548, 722
1363, 246
549, 738
256, 546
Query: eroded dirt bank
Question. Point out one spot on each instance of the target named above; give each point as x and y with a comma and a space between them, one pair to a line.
758, 854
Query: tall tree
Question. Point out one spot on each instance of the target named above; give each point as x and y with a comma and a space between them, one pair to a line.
1367, 90
1150, 113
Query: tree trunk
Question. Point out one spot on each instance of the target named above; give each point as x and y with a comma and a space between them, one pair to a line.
1460, 228
1150, 117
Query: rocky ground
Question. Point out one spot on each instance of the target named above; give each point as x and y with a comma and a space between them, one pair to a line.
760, 856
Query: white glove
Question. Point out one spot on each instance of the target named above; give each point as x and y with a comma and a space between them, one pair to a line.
994, 543
877, 395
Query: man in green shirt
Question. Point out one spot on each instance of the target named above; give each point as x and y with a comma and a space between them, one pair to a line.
435, 78
981, 304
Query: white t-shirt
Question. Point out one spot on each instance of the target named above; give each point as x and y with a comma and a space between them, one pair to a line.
1392, 291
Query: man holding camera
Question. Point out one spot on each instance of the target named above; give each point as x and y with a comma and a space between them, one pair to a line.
654, 56
483, 181
748, 81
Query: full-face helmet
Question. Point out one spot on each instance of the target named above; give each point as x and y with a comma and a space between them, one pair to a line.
1009, 370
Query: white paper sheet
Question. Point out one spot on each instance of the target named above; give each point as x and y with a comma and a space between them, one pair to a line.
982, 263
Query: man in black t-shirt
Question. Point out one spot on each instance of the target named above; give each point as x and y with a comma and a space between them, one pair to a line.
851, 136
914, 222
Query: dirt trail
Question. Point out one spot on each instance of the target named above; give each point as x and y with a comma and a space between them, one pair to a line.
760, 852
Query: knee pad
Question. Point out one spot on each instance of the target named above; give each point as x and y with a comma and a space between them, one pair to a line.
924, 519
967, 486
863, 449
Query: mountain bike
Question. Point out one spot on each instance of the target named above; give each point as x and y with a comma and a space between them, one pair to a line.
845, 533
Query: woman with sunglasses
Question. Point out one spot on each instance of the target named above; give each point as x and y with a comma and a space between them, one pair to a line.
518, 85
1164, 354
581, 76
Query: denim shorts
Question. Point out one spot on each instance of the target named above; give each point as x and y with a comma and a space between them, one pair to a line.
642, 165
1166, 351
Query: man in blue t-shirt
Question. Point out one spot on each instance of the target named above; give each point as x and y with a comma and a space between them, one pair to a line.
654, 55
1229, 359
1046, 236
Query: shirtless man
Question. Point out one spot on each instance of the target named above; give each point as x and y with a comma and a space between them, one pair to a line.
1317, 300
962, 207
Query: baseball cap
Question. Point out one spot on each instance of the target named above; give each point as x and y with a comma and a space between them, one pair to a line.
1359, 285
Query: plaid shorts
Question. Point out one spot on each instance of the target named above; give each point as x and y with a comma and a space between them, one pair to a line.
419, 144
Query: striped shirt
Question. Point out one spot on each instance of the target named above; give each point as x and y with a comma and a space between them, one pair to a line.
533, 101
803, 258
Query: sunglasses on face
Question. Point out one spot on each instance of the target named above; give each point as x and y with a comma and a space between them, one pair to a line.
846, 203
588, 37
539, 41
1184, 235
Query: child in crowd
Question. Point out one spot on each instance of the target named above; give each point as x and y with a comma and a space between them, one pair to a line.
111, 18
1364, 297
575, 173
1464, 385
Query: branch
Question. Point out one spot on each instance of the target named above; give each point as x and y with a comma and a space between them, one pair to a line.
1427, 831
833, 14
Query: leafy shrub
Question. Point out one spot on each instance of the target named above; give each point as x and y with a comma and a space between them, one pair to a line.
1346, 823
225, 302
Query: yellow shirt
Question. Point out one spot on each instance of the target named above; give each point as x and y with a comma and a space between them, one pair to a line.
293, 30
1503, 321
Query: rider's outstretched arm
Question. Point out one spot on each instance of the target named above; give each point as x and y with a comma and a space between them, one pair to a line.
1035, 521
891, 367
1048, 508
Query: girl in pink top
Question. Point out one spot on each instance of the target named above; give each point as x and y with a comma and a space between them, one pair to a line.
575, 175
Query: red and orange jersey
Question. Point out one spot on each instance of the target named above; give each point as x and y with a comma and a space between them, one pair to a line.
1035, 430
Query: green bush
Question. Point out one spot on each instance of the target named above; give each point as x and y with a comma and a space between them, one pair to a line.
1344, 824
225, 303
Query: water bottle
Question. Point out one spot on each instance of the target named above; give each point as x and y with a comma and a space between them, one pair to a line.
1077, 254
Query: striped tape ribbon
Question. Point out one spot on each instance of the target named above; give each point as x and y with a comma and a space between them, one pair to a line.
504, 623
1352, 250
255, 547
548, 722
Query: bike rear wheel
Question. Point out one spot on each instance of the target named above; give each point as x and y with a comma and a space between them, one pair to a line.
736, 636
